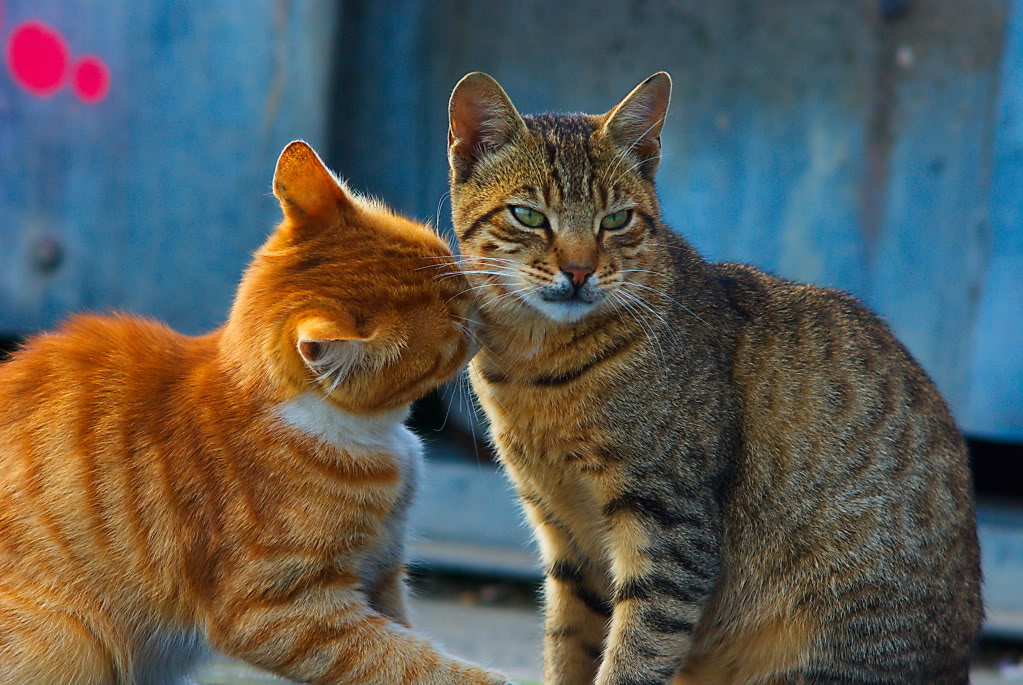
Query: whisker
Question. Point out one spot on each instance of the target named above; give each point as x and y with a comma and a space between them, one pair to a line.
639, 271
438, 265
648, 331
665, 324
440, 205
669, 297
634, 166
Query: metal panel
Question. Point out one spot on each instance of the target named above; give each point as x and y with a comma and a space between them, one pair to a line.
152, 199
995, 404
817, 139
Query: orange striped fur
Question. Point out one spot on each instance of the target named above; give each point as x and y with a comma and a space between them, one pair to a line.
733, 478
245, 489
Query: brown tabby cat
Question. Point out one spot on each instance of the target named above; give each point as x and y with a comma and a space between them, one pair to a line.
733, 478
247, 488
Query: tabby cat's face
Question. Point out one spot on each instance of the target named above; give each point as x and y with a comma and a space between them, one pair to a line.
555, 214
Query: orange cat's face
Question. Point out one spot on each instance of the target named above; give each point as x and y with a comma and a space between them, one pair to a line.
351, 299
555, 214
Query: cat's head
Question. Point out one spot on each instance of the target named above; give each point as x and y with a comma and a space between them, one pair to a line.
348, 298
556, 215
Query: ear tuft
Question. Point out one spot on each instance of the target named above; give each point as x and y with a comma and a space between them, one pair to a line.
331, 348
481, 119
634, 124
306, 189
332, 361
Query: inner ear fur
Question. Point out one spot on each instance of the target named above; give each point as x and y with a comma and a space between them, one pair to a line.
305, 188
317, 335
481, 119
635, 123
331, 347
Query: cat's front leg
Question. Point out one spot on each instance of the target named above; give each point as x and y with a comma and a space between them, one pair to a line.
665, 566
328, 634
575, 611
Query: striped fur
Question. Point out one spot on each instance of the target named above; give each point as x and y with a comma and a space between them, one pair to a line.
733, 478
160, 493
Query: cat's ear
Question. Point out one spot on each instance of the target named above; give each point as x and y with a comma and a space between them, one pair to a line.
481, 119
307, 190
330, 347
634, 124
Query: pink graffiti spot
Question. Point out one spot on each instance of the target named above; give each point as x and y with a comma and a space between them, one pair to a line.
38, 58
90, 79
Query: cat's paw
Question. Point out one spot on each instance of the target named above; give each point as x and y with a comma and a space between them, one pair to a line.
474, 675
495, 678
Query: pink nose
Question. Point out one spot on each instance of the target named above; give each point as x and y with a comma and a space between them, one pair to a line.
578, 274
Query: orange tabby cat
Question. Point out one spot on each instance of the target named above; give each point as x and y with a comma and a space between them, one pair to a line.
246, 489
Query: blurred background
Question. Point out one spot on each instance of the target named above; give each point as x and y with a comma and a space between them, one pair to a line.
870, 145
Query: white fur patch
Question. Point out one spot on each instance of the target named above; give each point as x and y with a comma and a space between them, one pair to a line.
311, 414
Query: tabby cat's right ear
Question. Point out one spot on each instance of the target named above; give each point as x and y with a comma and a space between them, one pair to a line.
481, 119
308, 192
634, 124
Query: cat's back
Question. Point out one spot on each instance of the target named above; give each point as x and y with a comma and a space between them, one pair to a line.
802, 346
89, 358
92, 345
67, 383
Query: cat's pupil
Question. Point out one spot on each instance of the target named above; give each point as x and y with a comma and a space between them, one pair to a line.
529, 217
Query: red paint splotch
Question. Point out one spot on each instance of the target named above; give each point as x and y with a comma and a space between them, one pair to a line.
90, 79
38, 58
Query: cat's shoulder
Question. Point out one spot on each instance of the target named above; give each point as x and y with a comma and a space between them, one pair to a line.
771, 301
750, 286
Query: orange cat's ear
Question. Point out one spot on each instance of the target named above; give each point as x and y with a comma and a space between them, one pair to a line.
306, 189
330, 347
481, 119
634, 124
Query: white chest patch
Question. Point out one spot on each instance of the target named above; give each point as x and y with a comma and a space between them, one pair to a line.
351, 432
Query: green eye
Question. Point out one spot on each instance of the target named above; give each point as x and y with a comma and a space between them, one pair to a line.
529, 217
616, 220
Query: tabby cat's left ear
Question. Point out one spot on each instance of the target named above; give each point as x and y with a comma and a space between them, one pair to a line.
634, 124
481, 119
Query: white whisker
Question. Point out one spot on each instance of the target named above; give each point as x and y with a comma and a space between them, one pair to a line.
648, 331
669, 297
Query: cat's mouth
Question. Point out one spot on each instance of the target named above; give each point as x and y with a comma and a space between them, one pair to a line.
571, 298
566, 307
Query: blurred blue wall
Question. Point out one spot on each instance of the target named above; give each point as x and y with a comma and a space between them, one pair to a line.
152, 199
819, 139
825, 141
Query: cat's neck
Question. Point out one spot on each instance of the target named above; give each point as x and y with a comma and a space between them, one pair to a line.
535, 345
312, 414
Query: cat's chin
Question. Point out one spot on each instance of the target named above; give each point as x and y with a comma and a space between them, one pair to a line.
564, 311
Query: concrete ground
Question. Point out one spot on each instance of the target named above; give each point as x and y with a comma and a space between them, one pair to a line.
495, 626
